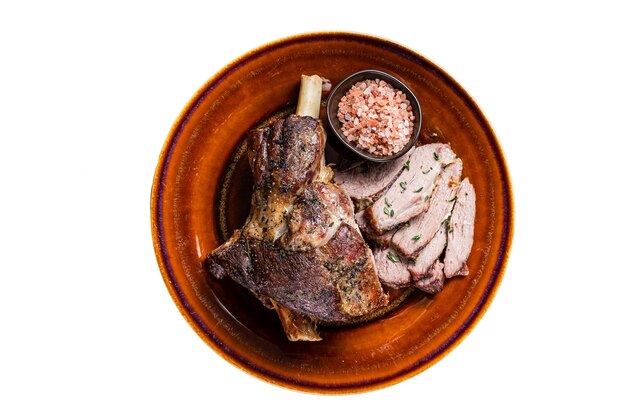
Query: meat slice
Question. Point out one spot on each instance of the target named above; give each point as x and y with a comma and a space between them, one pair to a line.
425, 259
300, 250
381, 241
366, 182
410, 193
409, 240
433, 282
392, 270
460, 231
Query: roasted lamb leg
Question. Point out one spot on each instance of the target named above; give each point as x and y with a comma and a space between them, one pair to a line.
300, 251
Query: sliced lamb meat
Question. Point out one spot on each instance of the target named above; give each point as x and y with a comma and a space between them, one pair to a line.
433, 282
391, 269
393, 272
366, 182
409, 240
382, 241
460, 231
425, 259
409, 195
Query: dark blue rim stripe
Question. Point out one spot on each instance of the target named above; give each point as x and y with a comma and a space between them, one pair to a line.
507, 208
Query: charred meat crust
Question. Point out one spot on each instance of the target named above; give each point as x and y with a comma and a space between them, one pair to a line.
300, 248
286, 154
285, 157
317, 214
334, 282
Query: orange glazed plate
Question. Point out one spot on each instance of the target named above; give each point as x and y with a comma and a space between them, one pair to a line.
202, 190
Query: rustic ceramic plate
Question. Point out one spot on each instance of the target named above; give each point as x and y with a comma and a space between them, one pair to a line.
201, 192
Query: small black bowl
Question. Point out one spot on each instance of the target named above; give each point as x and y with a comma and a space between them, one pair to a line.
332, 107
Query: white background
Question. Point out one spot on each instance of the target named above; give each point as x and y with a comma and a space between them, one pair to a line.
88, 93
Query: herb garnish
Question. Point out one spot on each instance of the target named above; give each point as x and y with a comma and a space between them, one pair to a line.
420, 189
388, 212
416, 237
436, 156
387, 203
403, 185
447, 222
392, 257
426, 198
426, 172
407, 165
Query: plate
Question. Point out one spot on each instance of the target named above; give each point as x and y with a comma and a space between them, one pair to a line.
201, 192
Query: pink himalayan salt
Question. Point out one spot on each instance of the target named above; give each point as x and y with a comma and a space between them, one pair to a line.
377, 117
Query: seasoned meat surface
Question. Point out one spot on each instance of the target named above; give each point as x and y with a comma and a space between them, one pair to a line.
422, 225
410, 193
300, 249
285, 157
429, 254
366, 182
433, 282
391, 268
316, 216
461, 231
370, 234
334, 282
409, 240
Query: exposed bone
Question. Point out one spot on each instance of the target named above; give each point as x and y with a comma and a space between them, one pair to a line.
310, 96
